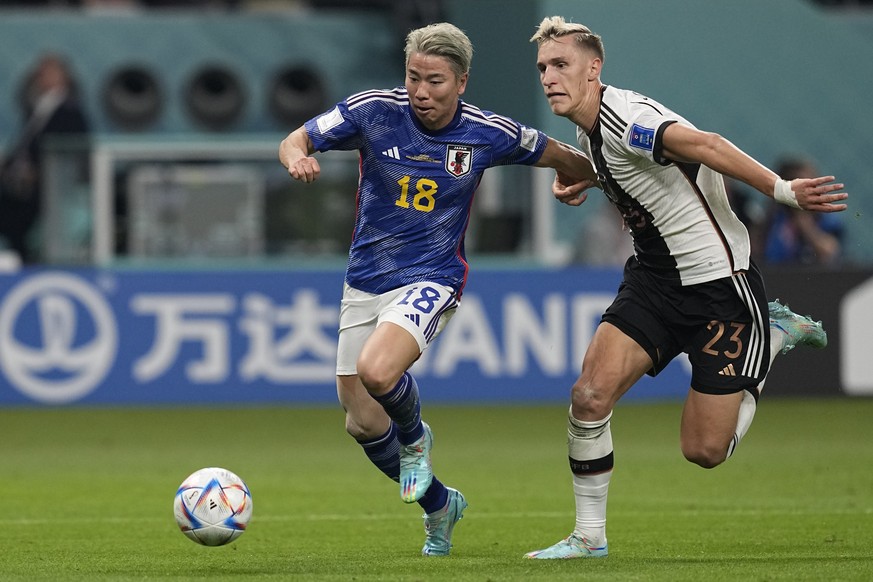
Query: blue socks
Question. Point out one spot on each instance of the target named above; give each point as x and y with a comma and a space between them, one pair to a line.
404, 407
384, 452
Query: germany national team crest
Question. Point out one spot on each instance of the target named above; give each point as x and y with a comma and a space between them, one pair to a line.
459, 159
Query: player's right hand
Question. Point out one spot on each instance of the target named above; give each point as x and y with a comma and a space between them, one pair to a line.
573, 194
305, 169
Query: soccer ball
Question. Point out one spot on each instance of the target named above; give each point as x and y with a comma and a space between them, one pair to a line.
213, 506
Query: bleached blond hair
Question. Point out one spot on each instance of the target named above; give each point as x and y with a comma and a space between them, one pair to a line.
443, 40
554, 27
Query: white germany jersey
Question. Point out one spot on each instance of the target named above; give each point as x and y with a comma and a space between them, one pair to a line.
683, 227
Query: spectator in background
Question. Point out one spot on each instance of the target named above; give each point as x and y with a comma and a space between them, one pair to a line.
794, 236
51, 108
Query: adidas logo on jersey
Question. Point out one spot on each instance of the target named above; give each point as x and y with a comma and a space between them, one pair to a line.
728, 371
393, 153
414, 318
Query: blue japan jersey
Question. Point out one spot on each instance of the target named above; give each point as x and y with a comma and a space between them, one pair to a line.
416, 186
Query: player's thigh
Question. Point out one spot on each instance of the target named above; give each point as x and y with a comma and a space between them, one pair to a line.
709, 420
613, 362
410, 319
387, 354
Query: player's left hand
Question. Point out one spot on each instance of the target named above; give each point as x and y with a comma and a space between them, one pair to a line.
817, 194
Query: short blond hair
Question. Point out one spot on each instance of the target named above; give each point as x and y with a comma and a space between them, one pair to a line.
443, 40
554, 27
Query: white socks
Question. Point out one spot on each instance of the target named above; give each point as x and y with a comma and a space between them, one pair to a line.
750, 404
591, 460
744, 420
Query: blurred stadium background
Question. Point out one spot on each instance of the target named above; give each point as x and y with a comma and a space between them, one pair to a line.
180, 264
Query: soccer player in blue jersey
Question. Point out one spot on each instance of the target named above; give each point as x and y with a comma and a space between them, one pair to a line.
423, 152
689, 287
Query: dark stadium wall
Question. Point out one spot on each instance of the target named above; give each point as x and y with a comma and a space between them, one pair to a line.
772, 76
843, 300
186, 72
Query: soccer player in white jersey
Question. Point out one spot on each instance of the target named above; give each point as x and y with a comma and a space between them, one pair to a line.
690, 285
423, 152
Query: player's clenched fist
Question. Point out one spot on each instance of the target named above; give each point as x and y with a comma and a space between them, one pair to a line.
295, 154
305, 169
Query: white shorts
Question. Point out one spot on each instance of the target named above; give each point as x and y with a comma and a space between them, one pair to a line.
422, 309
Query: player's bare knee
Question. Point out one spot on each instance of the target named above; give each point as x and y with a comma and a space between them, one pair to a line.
588, 402
376, 380
706, 456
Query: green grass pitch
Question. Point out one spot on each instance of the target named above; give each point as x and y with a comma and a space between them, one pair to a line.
87, 495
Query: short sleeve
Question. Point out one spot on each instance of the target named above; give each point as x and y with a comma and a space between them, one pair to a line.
526, 148
336, 129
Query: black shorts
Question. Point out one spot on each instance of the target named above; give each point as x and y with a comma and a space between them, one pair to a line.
722, 325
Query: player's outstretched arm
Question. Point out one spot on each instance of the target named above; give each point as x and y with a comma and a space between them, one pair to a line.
687, 144
574, 172
294, 153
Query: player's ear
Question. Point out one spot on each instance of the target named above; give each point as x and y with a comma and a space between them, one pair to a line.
594, 68
462, 83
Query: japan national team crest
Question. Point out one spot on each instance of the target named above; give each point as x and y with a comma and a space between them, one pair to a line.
459, 159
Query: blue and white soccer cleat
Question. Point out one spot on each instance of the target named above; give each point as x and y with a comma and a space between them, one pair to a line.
439, 525
798, 329
416, 474
571, 547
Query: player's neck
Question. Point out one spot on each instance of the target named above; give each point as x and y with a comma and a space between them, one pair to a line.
588, 110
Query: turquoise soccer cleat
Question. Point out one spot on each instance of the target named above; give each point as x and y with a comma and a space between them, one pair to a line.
416, 474
798, 329
439, 525
571, 547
